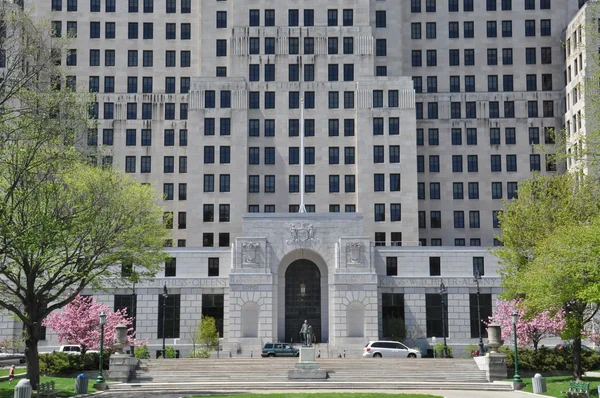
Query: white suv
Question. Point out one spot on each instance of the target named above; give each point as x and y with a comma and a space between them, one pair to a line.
392, 349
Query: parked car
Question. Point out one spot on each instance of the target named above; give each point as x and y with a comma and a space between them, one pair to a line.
391, 349
569, 346
71, 349
279, 350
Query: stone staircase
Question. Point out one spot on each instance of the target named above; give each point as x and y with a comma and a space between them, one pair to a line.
271, 374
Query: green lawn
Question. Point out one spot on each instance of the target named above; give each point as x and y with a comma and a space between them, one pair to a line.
323, 395
557, 384
4, 372
65, 386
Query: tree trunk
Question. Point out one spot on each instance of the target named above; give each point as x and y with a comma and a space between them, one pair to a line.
535, 344
33, 357
577, 371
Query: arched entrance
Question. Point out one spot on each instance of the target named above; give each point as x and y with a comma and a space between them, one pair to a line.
302, 299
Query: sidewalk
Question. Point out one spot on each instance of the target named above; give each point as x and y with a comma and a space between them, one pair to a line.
445, 394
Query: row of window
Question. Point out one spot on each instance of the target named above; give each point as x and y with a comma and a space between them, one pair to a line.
435, 219
146, 164
531, 83
132, 84
333, 97
493, 110
435, 266
495, 163
131, 137
133, 87
510, 136
133, 6
492, 57
457, 242
185, 57
435, 190
469, 29
333, 72
132, 111
294, 17
468, 5
307, 49
110, 30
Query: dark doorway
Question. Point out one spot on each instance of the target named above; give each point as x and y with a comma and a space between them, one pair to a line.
302, 299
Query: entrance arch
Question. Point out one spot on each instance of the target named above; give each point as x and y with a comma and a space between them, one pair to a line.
302, 299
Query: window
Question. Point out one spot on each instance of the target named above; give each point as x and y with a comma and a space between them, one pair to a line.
415, 30
492, 56
434, 190
349, 183
71, 5
430, 30
474, 219
470, 110
506, 28
434, 164
213, 266
431, 57
435, 268
454, 58
430, 5
221, 48
507, 56
431, 84
478, 315
469, 30
545, 27
530, 58
457, 190
309, 17
269, 17
510, 136
496, 161
491, 29
506, 5
416, 58
146, 164
473, 190
532, 109
546, 55
169, 310
459, 219
456, 136
511, 162
380, 19
470, 57
293, 18
453, 30
380, 47
509, 109
56, 5
472, 163
415, 5
511, 190
492, 83
391, 266
453, 5
534, 163
379, 212
457, 163
395, 184
348, 17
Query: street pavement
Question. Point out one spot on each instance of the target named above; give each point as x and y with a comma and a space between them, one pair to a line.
446, 394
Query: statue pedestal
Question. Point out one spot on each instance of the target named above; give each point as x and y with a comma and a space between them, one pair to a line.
307, 368
494, 365
121, 367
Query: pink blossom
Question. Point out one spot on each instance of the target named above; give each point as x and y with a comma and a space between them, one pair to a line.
531, 329
79, 323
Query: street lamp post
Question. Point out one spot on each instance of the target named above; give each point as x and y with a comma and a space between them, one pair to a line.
165, 294
515, 319
100, 378
477, 277
443, 292
132, 348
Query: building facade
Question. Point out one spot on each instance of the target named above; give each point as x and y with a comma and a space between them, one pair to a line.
419, 119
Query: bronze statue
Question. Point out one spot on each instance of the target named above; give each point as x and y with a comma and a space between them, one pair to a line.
306, 334
309, 336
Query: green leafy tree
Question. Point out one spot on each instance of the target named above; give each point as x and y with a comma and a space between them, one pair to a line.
65, 224
206, 332
539, 267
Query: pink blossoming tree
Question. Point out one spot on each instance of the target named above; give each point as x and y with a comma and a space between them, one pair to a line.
79, 323
531, 329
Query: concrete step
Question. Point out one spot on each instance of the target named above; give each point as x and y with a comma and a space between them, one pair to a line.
246, 385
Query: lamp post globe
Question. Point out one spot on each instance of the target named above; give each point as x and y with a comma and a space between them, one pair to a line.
477, 277
443, 292
515, 319
100, 378
165, 295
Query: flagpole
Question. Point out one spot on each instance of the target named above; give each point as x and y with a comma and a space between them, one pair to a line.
302, 208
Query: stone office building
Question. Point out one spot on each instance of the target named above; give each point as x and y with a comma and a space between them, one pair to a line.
419, 119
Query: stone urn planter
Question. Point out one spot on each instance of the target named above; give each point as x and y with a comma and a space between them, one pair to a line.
494, 337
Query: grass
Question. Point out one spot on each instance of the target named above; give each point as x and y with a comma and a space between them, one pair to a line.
323, 395
4, 372
65, 386
556, 384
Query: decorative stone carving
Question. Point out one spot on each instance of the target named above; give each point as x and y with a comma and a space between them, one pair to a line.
353, 252
302, 232
250, 252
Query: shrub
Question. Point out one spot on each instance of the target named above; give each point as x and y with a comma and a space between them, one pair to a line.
200, 353
60, 363
470, 348
141, 352
169, 353
550, 359
438, 349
